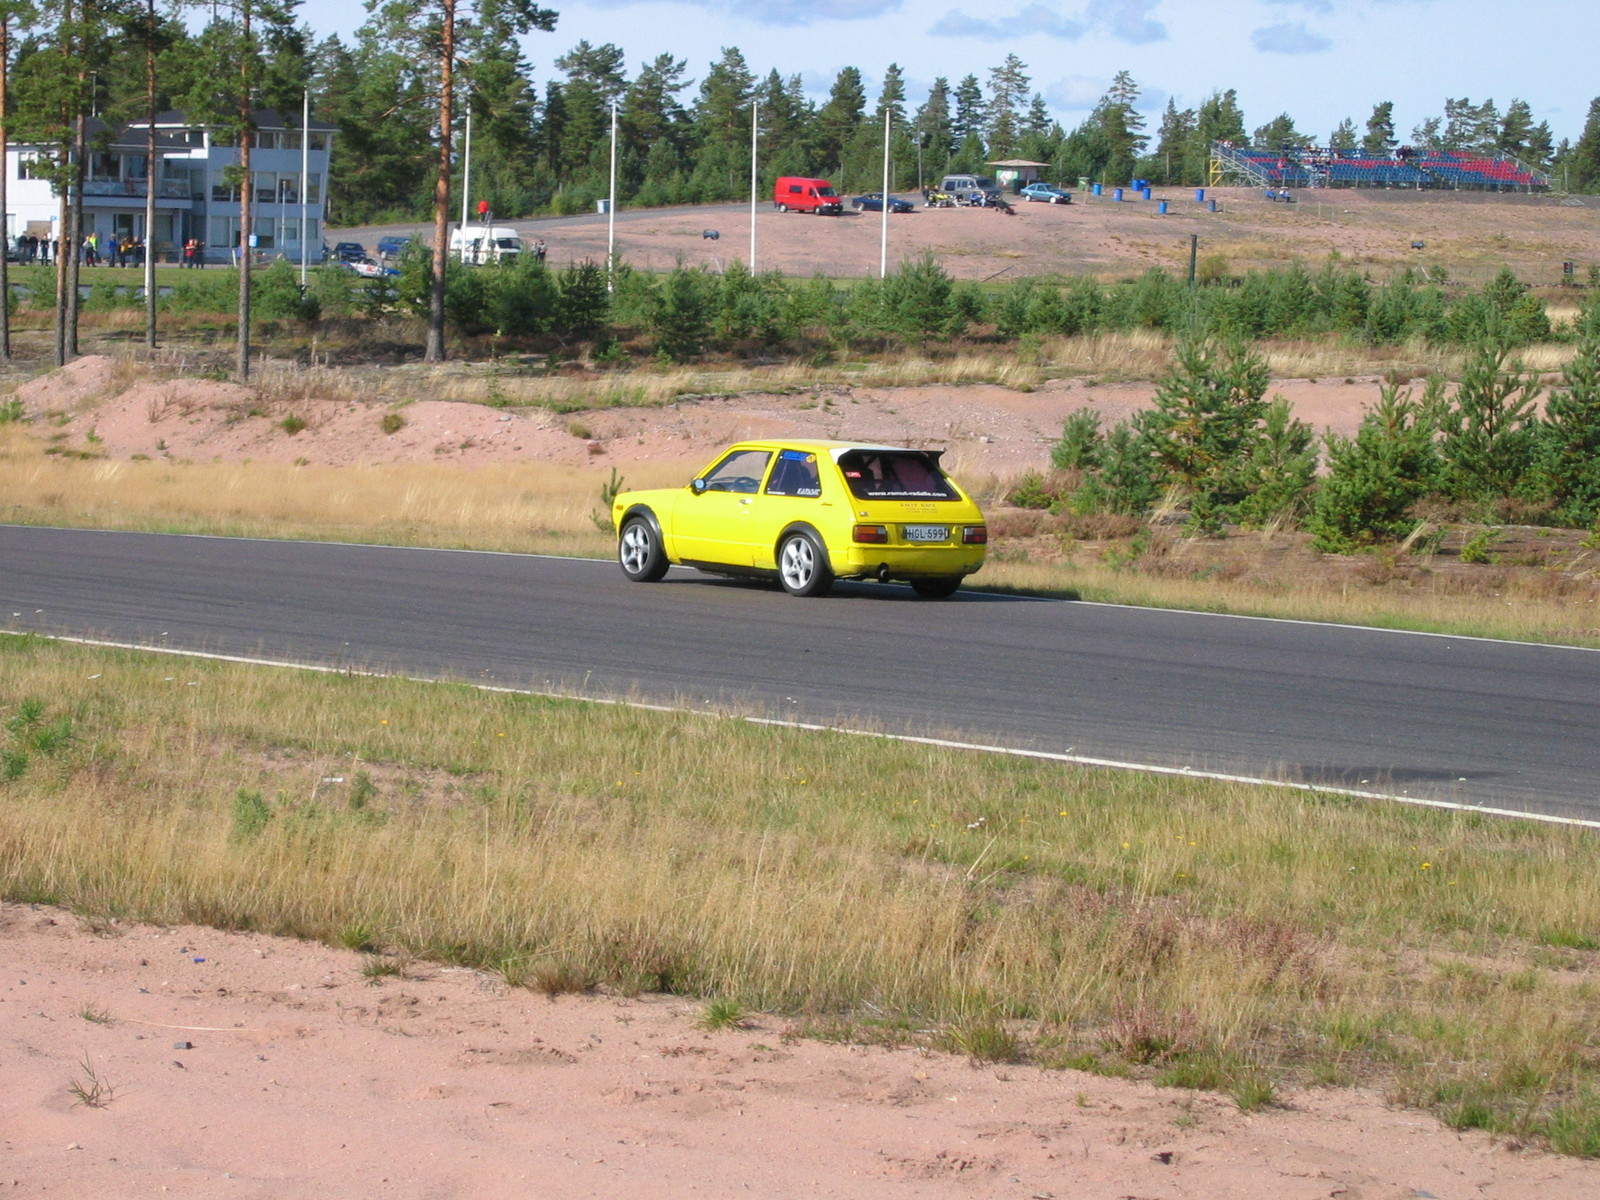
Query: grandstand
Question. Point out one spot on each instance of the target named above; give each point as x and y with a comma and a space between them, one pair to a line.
1315, 167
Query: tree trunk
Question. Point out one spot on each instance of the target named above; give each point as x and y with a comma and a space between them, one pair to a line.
246, 190
434, 352
152, 166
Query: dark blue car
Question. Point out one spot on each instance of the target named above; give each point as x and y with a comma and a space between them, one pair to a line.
873, 202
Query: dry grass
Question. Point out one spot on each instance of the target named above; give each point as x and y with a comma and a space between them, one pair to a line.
1213, 934
534, 508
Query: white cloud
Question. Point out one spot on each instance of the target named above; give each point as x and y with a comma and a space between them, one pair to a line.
1125, 20
1292, 37
1036, 18
1075, 93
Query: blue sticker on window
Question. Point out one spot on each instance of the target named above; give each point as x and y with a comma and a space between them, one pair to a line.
794, 456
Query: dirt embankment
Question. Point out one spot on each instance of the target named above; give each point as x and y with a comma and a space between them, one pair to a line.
256, 1068
989, 431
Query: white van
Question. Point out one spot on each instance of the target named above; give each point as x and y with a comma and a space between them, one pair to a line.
477, 245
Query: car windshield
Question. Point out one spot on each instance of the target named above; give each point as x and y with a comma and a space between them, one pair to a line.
508, 243
894, 475
826, 191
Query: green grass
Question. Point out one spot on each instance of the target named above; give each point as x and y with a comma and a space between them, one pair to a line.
1116, 922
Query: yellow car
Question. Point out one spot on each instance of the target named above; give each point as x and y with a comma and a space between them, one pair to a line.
807, 513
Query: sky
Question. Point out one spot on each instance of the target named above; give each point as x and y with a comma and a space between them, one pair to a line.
1318, 60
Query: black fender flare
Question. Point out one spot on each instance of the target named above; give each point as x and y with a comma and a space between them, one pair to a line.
804, 527
649, 514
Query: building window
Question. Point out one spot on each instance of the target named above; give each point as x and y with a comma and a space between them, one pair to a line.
224, 232
319, 141
266, 187
313, 189
221, 191
266, 139
33, 167
311, 230
289, 141
266, 232
291, 231
288, 189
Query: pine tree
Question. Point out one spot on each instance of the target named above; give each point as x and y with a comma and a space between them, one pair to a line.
1344, 135
424, 33
722, 128
1121, 126
1374, 478
1379, 141
839, 119
1584, 162
1175, 145
1280, 134
503, 104
654, 126
1489, 424
932, 125
1570, 446
1008, 86
595, 79
892, 98
1516, 129
967, 120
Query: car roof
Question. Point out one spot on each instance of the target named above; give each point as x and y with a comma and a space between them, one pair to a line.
832, 449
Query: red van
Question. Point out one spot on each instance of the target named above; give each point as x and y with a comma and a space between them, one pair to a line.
806, 195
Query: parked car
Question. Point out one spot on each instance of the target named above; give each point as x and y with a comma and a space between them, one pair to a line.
369, 268
393, 247
969, 189
796, 193
806, 513
349, 252
873, 202
1047, 193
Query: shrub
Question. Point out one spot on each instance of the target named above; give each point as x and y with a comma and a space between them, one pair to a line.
1374, 478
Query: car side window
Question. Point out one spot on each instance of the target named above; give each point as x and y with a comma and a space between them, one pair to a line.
740, 471
795, 475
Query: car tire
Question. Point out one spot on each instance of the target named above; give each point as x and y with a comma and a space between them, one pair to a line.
803, 564
639, 550
783, 208
940, 587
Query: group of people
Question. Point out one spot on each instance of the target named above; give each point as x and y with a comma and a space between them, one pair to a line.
112, 250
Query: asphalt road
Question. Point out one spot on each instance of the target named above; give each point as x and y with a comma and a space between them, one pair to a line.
1478, 722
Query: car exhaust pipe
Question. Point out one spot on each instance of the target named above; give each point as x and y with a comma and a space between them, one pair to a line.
883, 572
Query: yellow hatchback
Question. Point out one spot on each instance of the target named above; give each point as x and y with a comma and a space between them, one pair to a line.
807, 513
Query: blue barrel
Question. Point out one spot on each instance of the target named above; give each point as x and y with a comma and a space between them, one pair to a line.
1138, 185
1097, 189
1116, 193
1161, 207
1199, 195
1211, 206
1145, 192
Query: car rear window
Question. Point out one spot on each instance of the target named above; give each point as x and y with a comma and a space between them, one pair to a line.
894, 475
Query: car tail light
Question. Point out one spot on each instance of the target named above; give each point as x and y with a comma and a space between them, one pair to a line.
876, 535
975, 535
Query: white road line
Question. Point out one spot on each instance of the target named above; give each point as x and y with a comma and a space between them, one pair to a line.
1082, 760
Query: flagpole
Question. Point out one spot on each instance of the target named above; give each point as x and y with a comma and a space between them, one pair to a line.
883, 254
611, 207
755, 106
305, 162
466, 170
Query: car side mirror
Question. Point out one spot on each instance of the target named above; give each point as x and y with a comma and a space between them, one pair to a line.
697, 486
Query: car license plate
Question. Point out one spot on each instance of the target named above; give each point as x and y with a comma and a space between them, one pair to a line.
927, 533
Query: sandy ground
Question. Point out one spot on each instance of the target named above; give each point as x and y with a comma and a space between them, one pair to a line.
988, 430
1469, 235
240, 1066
